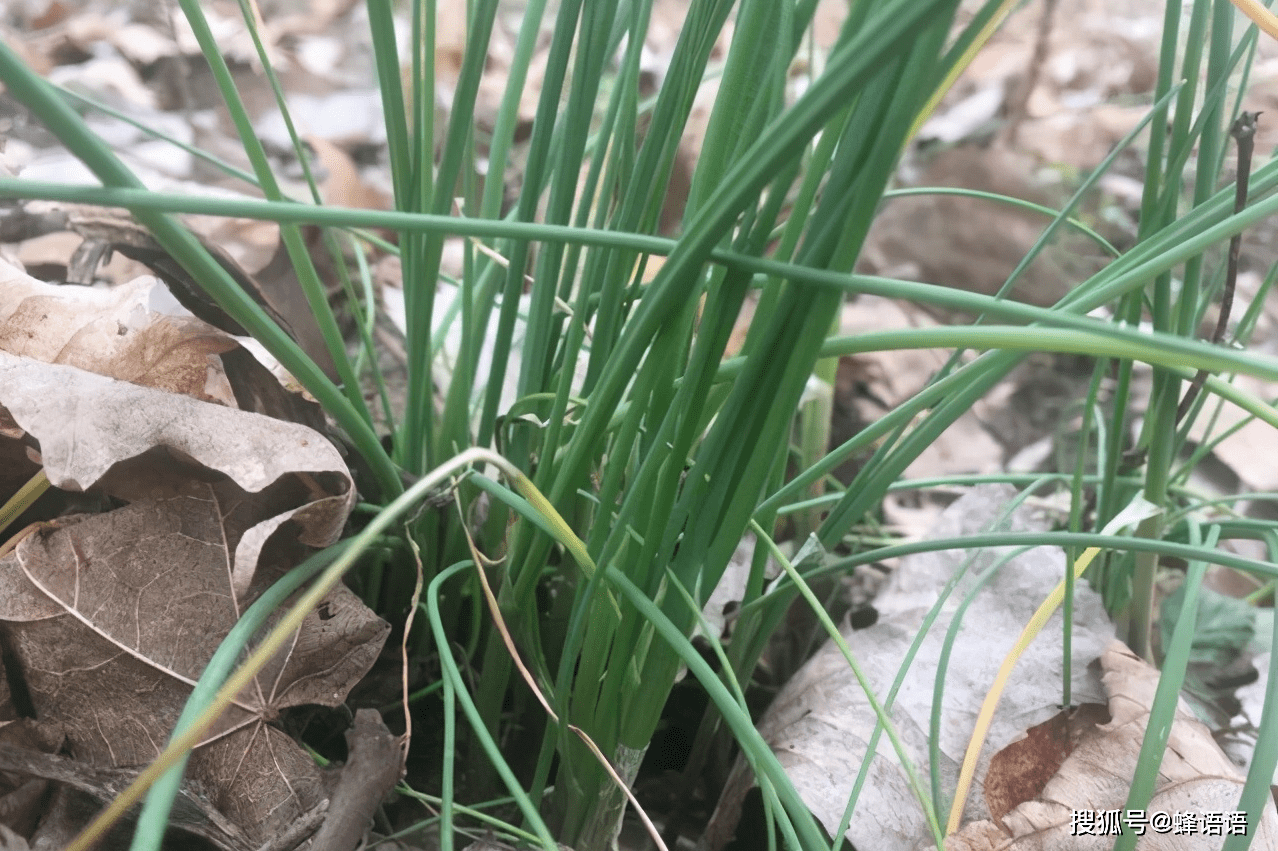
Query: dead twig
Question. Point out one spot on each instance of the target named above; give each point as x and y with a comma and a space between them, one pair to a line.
371, 772
1244, 133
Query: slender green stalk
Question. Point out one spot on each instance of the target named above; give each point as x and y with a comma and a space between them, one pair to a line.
880, 709
1166, 699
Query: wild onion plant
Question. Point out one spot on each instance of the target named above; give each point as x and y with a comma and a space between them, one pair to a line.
636, 456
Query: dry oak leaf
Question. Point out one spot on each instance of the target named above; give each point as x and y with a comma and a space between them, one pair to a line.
132, 443
278, 484
1195, 778
820, 724
115, 332
124, 332
113, 617
87, 424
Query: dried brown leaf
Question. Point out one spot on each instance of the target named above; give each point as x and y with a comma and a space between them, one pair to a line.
820, 724
118, 333
114, 616
111, 617
1195, 778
